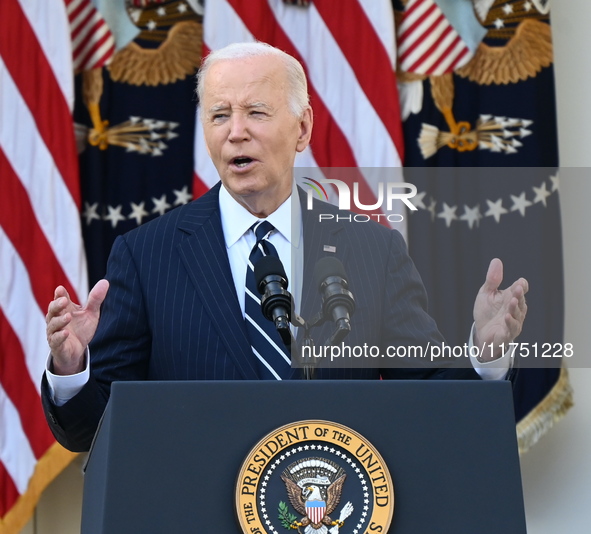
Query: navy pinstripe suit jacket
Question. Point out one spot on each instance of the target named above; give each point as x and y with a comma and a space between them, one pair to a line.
172, 313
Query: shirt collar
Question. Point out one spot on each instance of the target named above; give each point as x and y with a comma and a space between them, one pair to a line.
237, 220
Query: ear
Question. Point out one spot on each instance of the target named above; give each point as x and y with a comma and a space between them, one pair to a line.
306, 123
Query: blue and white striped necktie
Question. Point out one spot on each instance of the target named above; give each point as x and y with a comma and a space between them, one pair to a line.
267, 346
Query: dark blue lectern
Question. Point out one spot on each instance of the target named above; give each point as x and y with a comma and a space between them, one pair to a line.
167, 454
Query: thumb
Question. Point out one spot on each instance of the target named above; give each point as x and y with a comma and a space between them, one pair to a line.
97, 295
494, 276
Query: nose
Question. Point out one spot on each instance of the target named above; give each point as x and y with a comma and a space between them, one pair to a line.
238, 128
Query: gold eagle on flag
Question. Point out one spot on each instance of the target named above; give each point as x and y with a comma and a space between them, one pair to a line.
176, 30
522, 25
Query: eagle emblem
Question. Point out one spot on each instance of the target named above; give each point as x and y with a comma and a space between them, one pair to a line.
314, 487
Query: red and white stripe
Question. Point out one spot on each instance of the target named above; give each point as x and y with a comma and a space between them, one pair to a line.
427, 42
40, 239
348, 55
93, 44
315, 513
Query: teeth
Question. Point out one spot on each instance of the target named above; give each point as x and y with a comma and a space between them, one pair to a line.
242, 162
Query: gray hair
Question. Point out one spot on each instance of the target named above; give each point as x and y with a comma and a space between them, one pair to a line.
298, 86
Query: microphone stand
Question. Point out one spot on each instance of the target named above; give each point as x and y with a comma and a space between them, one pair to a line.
309, 368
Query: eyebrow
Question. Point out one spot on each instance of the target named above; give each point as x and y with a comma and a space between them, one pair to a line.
252, 105
258, 105
219, 107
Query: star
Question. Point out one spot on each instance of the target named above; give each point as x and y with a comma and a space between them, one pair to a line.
499, 24
160, 205
508, 9
555, 182
161, 11
448, 214
527, 6
417, 200
495, 209
114, 215
541, 194
471, 215
138, 212
90, 212
151, 25
182, 8
520, 203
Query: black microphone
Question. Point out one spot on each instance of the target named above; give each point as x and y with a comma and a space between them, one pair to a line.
337, 301
276, 301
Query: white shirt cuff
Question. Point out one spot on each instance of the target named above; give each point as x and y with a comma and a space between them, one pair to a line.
63, 388
493, 370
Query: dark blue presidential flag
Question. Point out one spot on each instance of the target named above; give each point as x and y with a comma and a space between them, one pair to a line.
480, 140
135, 123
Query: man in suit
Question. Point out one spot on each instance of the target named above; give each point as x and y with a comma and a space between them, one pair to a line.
174, 308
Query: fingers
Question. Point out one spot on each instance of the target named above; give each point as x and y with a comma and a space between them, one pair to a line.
494, 276
57, 306
60, 291
97, 295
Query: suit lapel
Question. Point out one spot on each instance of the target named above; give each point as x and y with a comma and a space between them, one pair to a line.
204, 256
321, 239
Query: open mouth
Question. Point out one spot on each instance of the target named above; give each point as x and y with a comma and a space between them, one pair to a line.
241, 161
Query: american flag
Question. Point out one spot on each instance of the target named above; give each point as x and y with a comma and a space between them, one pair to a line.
40, 239
349, 57
427, 42
93, 44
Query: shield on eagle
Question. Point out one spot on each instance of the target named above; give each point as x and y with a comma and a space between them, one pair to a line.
315, 510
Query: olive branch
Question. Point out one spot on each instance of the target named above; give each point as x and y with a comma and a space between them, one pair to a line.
285, 517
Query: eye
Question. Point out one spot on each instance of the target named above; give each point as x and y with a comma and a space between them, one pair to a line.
219, 117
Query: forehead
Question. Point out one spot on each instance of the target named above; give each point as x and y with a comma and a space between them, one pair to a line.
238, 80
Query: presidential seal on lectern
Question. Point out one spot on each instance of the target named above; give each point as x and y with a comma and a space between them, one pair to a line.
313, 477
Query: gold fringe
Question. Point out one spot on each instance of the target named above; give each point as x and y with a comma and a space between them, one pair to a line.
524, 55
49, 466
552, 408
176, 58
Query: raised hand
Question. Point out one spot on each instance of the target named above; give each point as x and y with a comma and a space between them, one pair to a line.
70, 327
498, 314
